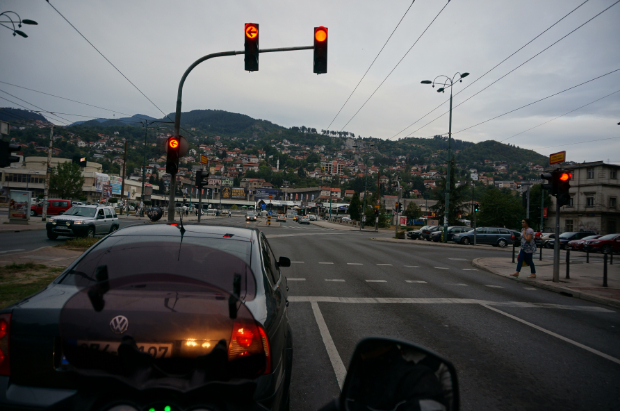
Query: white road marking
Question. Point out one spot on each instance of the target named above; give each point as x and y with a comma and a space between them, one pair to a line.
442, 268
355, 264
384, 264
514, 304
296, 279
530, 288
412, 266
461, 285
376, 281
325, 262
11, 251
332, 352
335, 280
575, 343
470, 269
493, 286
458, 259
297, 262
415, 281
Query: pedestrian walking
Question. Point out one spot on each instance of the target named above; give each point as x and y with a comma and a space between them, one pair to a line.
528, 247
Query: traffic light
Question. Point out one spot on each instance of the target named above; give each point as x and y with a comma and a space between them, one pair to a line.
172, 160
202, 178
320, 50
6, 149
475, 208
563, 185
251, 47
397, 207
550, 186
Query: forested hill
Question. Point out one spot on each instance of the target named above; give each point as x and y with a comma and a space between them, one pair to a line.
12, 115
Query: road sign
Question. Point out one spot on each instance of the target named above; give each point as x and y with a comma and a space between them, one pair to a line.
270, 212
557, 157
270, 196
263, 206
203, 159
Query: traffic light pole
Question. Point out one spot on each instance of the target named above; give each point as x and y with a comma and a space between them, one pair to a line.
48, 176
177, 117
556, 244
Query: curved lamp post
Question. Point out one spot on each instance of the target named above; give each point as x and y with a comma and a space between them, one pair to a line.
447, 82
19, 23
146, 124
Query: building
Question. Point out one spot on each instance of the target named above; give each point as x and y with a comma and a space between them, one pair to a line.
593, 205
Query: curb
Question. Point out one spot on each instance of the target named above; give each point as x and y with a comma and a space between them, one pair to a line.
433, 244
13, 230
568, 292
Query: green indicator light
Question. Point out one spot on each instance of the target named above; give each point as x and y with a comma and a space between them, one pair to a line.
151, 409
167, 408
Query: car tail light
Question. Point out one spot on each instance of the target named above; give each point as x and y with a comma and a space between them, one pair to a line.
249, 339
5, 332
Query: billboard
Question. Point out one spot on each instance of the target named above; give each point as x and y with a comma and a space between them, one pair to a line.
19, 206
238, 193
226, 193
100, 181
116, 183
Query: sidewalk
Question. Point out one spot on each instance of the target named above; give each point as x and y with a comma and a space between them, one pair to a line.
50, 256
347, 227
586, 279
35, 223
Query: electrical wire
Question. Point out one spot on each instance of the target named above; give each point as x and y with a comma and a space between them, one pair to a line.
27, 102
555, 118
371, 64
538, 101
494, 67
65, 98
397, 64
112, 64
582, 142
65, 122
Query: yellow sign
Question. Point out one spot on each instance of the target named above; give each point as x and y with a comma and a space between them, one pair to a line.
203, 159
557, 157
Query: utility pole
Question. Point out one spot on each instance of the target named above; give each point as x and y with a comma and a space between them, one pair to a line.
556, 244
123, 181
397, 211
542, 206
48, 176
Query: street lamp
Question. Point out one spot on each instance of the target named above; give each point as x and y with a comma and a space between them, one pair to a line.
146, 124
19, 24
447, 82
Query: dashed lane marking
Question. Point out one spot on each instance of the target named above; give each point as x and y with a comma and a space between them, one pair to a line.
297, 262
376, 281
335, 280
460, 285
412, 266
442, 268
325, 262
384, 264
470, 269
416, 281
530, 288
355, 264
296, 279
458, 259
493, 286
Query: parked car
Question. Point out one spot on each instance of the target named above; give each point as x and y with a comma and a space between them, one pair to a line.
544, 239
606, 244
570, 236
495, 236
170, 290
55, 206
452, 230
577, 245
516, 238
83, 221
426, 232
415, 234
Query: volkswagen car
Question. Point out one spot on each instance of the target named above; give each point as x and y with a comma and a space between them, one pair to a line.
157, 303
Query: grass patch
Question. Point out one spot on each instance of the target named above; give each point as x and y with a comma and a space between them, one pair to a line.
18, 281
81, 242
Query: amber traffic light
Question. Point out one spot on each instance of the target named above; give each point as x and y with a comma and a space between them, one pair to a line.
251, 46
320, 50
172, 159
173, 143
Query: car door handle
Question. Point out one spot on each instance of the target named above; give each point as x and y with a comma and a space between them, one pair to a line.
286, 303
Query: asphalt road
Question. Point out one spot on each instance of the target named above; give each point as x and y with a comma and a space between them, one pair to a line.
514, 347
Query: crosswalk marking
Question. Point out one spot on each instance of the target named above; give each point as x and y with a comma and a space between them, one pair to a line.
442, 268
457, 259
530, 288
470, 269
460, 285
376, 281
412, 266
297, 262
355, 264
416, 281
296, 279
335, 280
493, 286
384, 264
325, 262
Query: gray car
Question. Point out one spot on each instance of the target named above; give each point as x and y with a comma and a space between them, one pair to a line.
83, 221
495, 236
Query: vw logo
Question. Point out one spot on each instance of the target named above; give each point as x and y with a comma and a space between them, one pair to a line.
119, 324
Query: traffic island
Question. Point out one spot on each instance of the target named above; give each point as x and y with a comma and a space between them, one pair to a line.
585, 282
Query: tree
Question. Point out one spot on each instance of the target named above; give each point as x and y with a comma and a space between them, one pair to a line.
500, 208
413, 212
66, 180
355, 206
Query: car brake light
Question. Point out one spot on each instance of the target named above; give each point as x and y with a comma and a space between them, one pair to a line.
249, 339
5, 332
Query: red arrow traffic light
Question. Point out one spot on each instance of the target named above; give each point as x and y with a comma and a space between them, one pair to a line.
565, 176
251, 47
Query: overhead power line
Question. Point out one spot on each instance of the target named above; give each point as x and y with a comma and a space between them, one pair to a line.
538, 101
397, 64
555, 118
62, 120
371, 64
582, 142
65, 98
493, 68
112, 64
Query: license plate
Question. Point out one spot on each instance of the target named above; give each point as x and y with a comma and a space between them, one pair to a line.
157, 350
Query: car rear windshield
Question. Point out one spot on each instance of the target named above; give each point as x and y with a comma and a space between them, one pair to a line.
81, 211
567, 235
607, 237
212, 260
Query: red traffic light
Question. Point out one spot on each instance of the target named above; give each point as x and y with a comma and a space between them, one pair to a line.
320, 34
173, 143
565, 176
251, 30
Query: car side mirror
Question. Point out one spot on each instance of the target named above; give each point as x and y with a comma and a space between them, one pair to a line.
284, 262
388, 374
